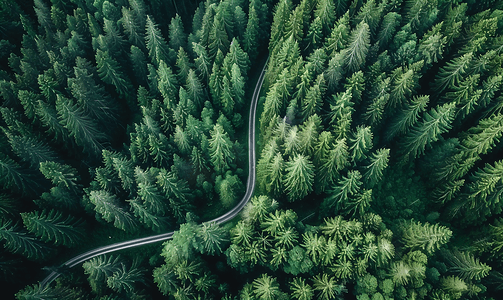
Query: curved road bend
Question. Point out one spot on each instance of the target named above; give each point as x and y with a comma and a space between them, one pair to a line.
250, 185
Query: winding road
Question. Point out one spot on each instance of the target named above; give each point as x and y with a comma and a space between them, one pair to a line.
250, 185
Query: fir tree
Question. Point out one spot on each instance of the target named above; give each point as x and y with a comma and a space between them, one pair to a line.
53, 226
99, 269
20, 242
379, 161
434, 123
299, 177
156, 45
358, 46
108, 207
426, 237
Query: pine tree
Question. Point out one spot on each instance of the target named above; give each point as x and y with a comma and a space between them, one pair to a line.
61, 175
99, 269
177, 36
167, 84
280, 20
338, 37
156, 45
221, 151
31, 150
407, 117
403, 86
358, 46
341, 192
53, 226
325, 10
379, 162
139, 64
90, 96
195, 89
183, 65
338, 159
156, 222
132, 27
126, 278
314, 245
388, 27
251, 35
202, 62
299, 177
266, 287
178, 193
110, 72
361, 143
20, 242
313, 39
300, 290
341, 114
484, 190
480, 139
295, 24
425, 236
434, 123
326, 286
218, 37
450, 75
108, 207
213, 238
312, 103
467, 266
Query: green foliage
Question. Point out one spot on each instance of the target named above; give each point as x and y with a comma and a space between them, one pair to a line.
467, 266
425, 236
378, 162
326, 286
99, 269
358, 46
53, 226
299, 177
20, 242
108, 207
60, 175
51, 293
433, 124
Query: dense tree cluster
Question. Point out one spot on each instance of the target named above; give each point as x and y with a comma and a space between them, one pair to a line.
378, 175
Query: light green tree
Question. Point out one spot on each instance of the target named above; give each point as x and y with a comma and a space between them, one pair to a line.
299, 177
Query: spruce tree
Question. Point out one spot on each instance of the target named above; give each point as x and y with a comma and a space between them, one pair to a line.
358, 45
299, 177
55, 227
435, 122
156, 44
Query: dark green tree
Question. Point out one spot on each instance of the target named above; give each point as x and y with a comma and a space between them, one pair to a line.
53, 226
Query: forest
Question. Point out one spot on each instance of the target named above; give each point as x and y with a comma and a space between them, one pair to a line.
379, 172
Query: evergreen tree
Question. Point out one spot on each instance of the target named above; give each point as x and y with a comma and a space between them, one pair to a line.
358, 46
280, 20
202, 62
388, 28
126, 278
110, 72
299, 177
31, 150
341, 192
426, 237
139, 64
434, 123
338, 159
361, 143
326, 286
266, 287
156, 45
108, 207
221, 152
339, 36
213, 238
251, 35
61, 175
177, 36
300, 289
53, 226
20, 242
467, 266
451, 74
379, 161
407, 117
167, 84
480, 139
403, 86
99, 269
133, 27
325, 10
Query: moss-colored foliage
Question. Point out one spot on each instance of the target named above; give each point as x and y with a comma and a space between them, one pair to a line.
378, 175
